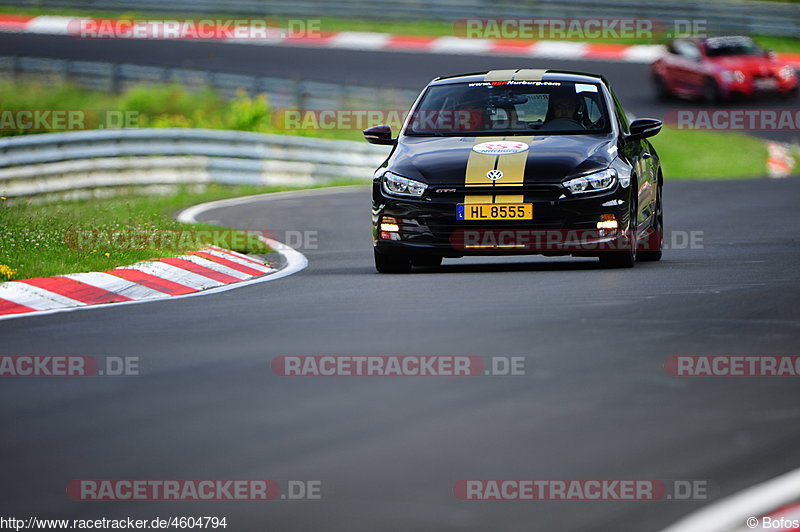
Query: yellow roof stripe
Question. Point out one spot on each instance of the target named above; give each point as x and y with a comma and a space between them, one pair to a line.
530, 74
500, 75
522, 74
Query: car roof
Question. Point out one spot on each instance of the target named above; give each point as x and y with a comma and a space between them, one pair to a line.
522, 74
727, 38
704, 42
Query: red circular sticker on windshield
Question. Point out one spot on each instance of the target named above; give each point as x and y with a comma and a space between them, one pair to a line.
500, 147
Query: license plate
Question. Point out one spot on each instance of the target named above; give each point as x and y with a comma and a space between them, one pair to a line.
494, 211
766, 84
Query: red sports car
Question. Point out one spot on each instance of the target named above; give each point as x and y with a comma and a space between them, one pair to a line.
720, 68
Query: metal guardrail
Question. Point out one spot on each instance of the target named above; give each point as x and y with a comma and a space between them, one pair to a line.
741, 16
282, 92
56, 164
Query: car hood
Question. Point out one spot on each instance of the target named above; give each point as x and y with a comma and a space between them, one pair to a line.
550, 158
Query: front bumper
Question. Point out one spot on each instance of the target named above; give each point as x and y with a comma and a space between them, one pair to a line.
752, 87
562, 224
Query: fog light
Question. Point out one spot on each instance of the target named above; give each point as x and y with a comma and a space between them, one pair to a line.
607, 221
389, 224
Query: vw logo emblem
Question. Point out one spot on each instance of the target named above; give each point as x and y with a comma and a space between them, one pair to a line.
494, 175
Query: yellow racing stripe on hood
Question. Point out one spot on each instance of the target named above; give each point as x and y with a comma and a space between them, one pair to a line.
479, 164
512, 165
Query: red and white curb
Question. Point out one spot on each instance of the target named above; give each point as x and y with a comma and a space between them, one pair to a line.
772, 505
354, 40
780, 162
208, 271
207, 268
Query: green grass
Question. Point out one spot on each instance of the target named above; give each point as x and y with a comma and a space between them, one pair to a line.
158, 106
406, 27
709, 154
43, 240
778, 44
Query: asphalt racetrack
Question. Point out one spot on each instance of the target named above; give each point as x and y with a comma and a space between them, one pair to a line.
595, 402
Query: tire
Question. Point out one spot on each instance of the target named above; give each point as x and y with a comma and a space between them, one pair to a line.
625, 258
711, 92
427, 261
392, 263
618, 259
662, 92
654, 255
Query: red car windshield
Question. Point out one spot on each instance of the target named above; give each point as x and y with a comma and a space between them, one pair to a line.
726, 46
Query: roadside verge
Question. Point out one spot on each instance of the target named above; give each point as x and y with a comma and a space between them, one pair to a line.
206, 271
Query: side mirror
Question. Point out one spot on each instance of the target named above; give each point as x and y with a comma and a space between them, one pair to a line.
644, 128
379, 135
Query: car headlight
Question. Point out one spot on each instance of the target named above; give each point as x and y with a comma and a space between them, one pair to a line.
729, 76
402, 186
592, 182
787, 72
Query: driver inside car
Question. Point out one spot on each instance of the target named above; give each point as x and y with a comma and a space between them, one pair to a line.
563, 107
565, 112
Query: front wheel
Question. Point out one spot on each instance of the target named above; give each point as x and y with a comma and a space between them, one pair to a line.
618, 259
625, 258
662, 93
711, 92
385, 263
656, 240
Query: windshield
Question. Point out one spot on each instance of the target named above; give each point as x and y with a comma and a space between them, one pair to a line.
510, 108
723, 46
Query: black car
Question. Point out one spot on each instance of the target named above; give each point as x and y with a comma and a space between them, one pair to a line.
522, 161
